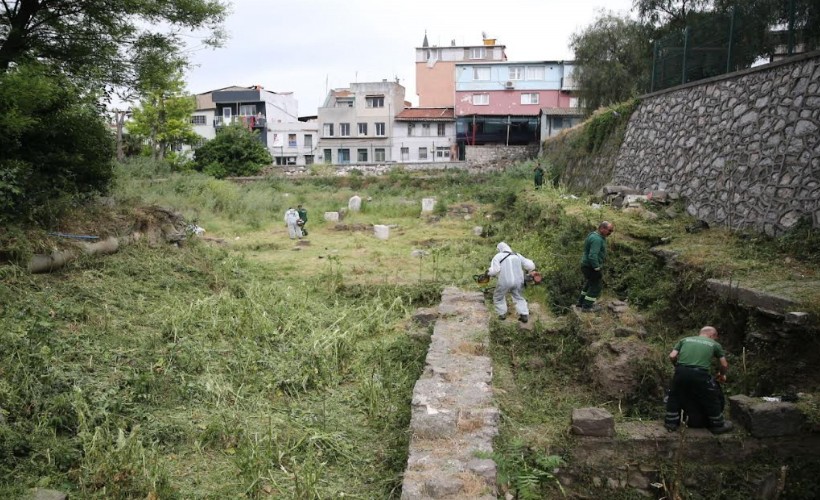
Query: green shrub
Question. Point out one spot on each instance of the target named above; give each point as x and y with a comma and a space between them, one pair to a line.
56, 150
234, 152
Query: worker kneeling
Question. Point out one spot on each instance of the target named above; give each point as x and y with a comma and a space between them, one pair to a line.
694, 390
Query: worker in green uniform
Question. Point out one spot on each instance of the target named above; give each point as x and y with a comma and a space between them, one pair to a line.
592, 263
693, 383
303, 217
539, 176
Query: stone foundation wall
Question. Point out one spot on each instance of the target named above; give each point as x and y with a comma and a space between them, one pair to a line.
743, 149
497, 157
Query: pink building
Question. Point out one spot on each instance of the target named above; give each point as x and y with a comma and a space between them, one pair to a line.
435, 68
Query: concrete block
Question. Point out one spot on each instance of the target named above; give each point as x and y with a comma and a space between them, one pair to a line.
766, 419
332, 216
593, 422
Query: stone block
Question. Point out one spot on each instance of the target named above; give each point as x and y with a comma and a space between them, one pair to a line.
593, 422
381, 231
433, 425
765, 418
46, 494
332, 216
354, 204
428, 205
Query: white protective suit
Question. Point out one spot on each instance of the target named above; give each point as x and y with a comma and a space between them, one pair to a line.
291, 219
509, 267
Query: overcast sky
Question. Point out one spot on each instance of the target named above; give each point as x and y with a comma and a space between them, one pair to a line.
310, 46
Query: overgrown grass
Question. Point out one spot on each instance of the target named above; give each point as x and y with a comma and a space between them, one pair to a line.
265, 367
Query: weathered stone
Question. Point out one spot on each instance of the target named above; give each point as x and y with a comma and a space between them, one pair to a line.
615, 363
354, 204
592, 422
748, 296
438, 487
428, 205
381, 231
425, 316
625, 331
766, 419
332, 216
484, 468
46, 494
798, 318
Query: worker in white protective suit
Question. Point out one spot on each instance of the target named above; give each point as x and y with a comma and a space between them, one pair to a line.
509, 267
292, 219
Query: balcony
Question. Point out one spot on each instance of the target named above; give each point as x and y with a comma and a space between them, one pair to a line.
250, 122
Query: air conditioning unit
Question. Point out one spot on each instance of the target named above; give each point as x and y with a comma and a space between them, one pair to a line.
508, 85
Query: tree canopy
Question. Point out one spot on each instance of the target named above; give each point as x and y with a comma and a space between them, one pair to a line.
613, 56
102, 42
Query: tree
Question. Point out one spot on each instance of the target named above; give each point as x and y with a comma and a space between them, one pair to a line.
164, 116
613, 57
54, 146
100, 42
235, 151
669, 14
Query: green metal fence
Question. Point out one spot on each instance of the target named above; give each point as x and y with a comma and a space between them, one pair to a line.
717, 43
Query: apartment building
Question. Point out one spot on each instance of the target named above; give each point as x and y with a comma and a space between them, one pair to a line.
424, 135
506, 102
435, 68
356, 124
273, 115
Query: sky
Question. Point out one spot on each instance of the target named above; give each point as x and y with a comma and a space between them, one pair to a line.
311, 46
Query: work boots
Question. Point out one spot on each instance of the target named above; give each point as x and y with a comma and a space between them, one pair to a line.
726, 427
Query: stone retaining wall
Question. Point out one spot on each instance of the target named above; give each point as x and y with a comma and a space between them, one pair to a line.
742, 149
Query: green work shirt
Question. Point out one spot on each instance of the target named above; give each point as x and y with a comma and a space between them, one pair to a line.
698, 351
594, 250
302, 214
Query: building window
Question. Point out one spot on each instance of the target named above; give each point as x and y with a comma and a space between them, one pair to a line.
344, 102
361, 156
344, 129
516, 72
308, 140
247, 110
573, 102
442, 152
425, 129
291, 140
411, 129
535, 73
328, 129
477, 53
405, 154
481, 73
380, 128
422, 153
327, 157
481, 99
441, 129
308, 159
343, 155
198, 120
375, 101
362, 128
378, 154
529, 98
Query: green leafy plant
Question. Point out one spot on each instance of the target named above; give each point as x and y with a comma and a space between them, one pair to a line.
234, 152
